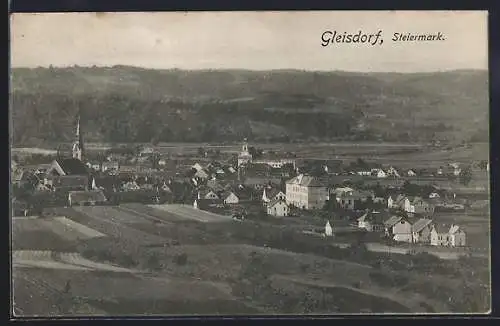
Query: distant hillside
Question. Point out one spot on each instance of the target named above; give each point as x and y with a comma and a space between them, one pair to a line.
128, 104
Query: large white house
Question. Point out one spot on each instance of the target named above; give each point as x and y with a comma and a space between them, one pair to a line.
306, 192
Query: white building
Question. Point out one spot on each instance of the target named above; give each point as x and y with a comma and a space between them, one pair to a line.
230, 198
328, 229
276, 163
453, 236
306, 192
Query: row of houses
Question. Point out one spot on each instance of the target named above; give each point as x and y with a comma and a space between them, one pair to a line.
452, 169
413, 230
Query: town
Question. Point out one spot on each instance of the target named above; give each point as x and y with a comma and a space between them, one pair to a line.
384, 209
251, 184
149, 177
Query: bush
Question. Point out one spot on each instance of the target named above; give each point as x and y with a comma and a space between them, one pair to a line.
153, 262
181, 259
388, 279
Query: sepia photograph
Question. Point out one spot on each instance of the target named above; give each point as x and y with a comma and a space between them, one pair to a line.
249, 163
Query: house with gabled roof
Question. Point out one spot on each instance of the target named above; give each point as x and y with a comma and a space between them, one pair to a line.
64, 167
457, 236
444, 235
421, 230
372, 221
399, 201
229, 198
207, 194
398, 228
277, 207
351, 199
271, 193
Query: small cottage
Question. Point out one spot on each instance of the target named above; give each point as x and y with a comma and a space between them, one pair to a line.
278, 207
230, 198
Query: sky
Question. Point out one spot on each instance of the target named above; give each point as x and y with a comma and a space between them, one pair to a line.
249, 40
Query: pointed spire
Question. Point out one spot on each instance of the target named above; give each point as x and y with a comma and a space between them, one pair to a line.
94, 186
78, 128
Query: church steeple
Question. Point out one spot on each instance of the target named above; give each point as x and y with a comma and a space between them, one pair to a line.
78, 144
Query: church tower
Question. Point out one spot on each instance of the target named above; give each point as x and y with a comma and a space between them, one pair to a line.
244, 157
78, 143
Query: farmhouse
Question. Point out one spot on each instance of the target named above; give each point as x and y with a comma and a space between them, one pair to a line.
398, 202
442, 235
207, 194
419, 206
398, 228
306, 192
230, 198
349, 200
277, 207
372, 221
201, 175
269, 194
130, 186
421, 230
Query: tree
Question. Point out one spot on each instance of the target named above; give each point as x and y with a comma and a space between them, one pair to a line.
483, 165
466, 175
255, 152
201, 151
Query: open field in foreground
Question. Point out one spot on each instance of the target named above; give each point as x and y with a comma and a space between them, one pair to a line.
156, 264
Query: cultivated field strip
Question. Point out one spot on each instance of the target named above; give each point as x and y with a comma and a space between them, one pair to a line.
56, 260
62, 226
143, 215
154, 211
190, 213
114, 223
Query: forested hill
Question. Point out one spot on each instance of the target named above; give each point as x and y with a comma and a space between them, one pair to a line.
128, 104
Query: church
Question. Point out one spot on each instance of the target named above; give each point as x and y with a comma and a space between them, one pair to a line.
244, 157
69, 173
